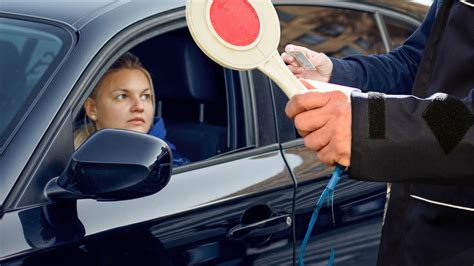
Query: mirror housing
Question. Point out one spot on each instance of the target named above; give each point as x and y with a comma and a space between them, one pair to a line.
114, 164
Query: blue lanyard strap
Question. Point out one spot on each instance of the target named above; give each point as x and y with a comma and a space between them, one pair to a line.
328, 194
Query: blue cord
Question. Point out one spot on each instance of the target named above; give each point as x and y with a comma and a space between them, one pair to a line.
328, 193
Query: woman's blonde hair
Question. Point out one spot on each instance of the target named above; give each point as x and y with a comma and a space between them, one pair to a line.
126, 61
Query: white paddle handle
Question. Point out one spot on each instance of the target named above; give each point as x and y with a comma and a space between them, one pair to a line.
276, 69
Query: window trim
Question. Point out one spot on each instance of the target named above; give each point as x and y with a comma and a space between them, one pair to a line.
383, 31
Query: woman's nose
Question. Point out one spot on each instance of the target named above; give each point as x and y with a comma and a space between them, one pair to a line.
137, 105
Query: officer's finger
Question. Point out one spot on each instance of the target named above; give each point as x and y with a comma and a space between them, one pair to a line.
302, 133
311, 120
317, 140
326, 156
306, 101
296, 70
288, 59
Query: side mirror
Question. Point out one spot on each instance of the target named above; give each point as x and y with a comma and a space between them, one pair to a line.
114, 164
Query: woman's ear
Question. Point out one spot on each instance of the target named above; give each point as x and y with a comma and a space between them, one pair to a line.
91, 109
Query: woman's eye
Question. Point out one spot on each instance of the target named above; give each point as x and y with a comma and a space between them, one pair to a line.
146, 96
120, 97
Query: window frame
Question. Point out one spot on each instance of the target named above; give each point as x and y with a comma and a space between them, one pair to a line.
139, 33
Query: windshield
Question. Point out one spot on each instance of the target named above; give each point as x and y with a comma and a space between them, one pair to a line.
29, 53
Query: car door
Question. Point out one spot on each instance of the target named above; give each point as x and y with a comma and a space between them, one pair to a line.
233, 208
352, 225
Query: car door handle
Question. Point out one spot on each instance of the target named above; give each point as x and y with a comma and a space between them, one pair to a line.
261, 228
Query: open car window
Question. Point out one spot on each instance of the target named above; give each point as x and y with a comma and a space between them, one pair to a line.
198, 101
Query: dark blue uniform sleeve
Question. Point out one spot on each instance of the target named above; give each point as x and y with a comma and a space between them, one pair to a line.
392, 73
414, 140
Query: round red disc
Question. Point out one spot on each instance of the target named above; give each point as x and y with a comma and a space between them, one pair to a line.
235, 21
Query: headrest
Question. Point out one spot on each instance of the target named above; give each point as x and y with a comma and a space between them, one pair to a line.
180, 70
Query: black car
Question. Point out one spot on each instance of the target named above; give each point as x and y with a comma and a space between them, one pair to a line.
247, 196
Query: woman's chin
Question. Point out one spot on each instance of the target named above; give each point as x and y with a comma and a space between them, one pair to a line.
139, 128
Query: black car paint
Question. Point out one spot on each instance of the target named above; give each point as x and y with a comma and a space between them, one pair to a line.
169, 227
173, 219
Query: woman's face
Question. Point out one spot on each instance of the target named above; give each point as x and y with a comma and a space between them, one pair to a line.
124, 101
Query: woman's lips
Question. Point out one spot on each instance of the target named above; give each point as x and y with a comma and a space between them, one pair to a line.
136, 121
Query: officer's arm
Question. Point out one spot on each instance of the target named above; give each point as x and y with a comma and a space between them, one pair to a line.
405, 138
393, 72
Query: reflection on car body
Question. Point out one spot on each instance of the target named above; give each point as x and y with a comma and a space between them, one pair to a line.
248, 194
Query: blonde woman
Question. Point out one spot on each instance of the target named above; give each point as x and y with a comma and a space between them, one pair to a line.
124, 99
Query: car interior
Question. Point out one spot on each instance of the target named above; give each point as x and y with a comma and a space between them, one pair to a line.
190, 93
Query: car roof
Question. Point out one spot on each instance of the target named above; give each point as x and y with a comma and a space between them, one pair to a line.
79, 13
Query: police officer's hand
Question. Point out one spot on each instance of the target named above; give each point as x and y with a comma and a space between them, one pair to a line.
322, 63
323, 118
